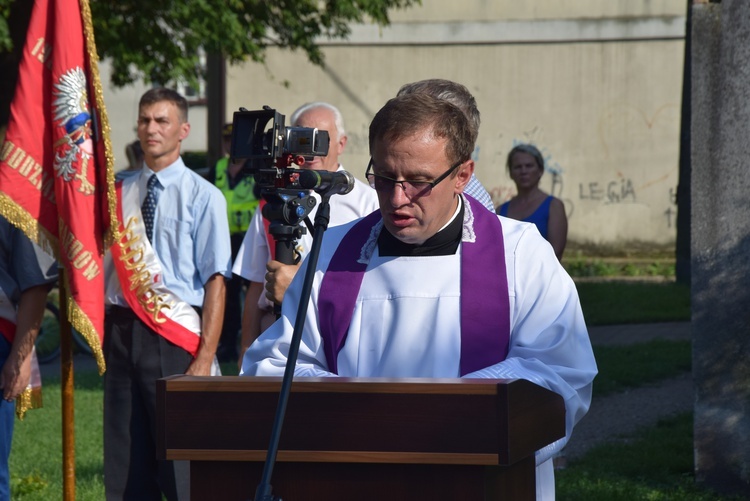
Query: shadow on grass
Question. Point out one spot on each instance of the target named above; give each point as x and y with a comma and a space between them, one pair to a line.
631, 366
610, 303
654, 465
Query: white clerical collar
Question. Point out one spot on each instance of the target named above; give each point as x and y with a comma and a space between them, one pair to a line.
455, 214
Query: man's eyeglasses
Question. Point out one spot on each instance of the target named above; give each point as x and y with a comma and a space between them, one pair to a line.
412, 189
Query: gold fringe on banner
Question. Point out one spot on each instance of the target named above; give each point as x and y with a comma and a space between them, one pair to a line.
88, 32
81, 322
31, 398
39, 235
18, 217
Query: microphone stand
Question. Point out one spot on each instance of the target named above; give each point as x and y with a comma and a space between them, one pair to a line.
322, 218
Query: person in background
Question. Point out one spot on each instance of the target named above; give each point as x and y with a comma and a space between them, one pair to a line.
238, 186
134, 154
174, 245
526, 166
254, 261
433, 285
26, 276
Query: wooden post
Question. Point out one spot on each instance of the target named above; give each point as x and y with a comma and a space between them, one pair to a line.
66, 388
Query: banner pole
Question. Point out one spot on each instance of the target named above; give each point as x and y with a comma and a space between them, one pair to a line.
66, 388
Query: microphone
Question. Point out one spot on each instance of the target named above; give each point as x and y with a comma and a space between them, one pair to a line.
325, 182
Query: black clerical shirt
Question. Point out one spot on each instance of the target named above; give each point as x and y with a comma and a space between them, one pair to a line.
443, 243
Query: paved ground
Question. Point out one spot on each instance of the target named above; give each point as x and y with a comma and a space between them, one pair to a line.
639, 333
614, 417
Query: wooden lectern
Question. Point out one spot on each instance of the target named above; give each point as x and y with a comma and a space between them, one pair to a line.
359, 439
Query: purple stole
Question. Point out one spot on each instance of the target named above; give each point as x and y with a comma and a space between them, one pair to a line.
485, 306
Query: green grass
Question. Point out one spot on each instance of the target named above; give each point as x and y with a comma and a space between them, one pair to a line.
627, 367
581, 266
36, 457
610, 303
655, 465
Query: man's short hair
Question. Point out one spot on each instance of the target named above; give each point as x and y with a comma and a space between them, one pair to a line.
408, 114
450, 91
159, 94
337, 117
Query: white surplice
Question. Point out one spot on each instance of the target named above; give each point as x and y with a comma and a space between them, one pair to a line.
406, 323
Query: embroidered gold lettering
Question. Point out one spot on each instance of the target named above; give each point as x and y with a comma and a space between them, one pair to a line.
132, 257
18, 159
26, 166
42, 51
91, 270
35, 176
82, 260
74, 250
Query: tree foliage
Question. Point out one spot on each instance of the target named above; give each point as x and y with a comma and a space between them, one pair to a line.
5, 42
161, 41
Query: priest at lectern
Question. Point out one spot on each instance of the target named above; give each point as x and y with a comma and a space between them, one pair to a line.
433, 284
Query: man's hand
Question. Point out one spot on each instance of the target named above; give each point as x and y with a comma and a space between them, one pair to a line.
213, 317
15, 376
16, 372
200, 366
278, 278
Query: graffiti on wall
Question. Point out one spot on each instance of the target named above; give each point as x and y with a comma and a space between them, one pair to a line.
631, 165
623, 191
612, 192
671, 213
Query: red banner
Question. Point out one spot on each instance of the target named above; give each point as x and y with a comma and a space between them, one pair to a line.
56, 176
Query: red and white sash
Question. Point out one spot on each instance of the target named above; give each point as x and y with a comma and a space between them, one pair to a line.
140, 275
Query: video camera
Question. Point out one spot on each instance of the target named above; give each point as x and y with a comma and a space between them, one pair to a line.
273, 146
270, 150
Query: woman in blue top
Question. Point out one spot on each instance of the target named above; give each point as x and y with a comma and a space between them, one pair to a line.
526, 166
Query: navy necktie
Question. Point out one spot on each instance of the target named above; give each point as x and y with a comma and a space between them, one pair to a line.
148, 209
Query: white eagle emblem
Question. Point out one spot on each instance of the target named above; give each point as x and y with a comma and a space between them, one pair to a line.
75, 148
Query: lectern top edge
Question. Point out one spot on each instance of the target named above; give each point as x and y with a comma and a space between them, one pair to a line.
343, 385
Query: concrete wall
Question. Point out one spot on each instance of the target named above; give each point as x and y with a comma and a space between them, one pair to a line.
483, 10
721, 244
596, 85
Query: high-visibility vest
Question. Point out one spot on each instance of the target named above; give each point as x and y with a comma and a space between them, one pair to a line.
241, 201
